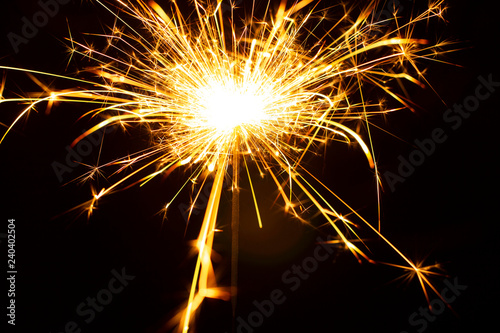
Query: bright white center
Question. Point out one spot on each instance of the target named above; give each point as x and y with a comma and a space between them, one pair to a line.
227, 109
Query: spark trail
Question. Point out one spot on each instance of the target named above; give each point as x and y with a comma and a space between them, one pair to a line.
216, 90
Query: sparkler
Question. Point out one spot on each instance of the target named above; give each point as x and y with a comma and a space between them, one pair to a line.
216, 94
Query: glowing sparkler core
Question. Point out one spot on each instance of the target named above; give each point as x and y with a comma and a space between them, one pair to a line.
226, 108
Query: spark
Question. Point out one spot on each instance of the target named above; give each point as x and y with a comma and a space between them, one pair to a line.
272, 89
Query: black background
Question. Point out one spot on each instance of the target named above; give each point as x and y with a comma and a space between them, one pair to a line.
446, 211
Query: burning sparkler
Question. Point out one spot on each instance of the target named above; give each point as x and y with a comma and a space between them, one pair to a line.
214, 95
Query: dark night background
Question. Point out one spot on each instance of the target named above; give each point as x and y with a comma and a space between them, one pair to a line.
446, 211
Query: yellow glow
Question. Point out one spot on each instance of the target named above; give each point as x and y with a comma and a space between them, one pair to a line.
225, 108
186, 160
